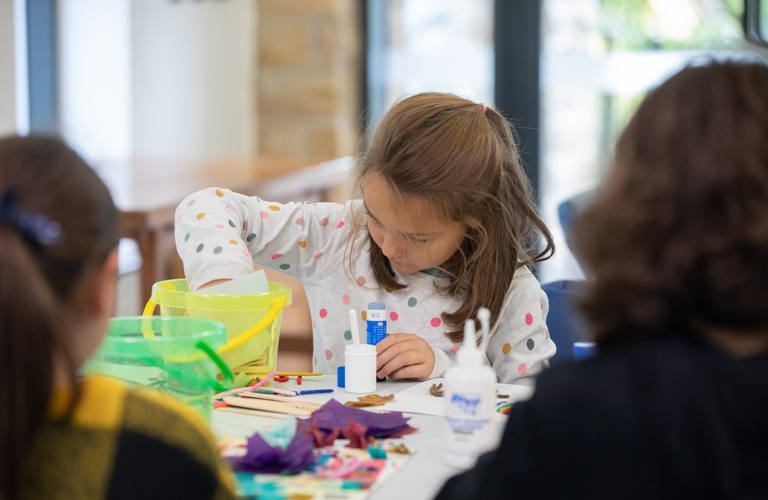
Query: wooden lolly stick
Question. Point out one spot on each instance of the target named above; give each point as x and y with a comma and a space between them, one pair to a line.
293, 401
253, 413
274, 406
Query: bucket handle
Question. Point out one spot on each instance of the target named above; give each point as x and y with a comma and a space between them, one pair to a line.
238, 340
229, 379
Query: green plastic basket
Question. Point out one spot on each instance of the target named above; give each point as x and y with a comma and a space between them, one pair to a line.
174, 354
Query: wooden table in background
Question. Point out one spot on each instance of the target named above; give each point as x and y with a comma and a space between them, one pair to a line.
147, 192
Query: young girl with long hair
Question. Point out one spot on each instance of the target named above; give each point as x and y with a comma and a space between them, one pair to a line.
444, 224
62, 436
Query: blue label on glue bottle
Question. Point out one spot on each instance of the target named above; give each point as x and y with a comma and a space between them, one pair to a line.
376, 322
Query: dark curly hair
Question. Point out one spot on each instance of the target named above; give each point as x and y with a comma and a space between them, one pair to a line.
678, 234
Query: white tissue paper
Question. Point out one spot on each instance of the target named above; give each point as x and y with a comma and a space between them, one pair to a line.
255, 282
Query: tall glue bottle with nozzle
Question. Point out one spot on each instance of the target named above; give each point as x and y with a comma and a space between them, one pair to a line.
470, 398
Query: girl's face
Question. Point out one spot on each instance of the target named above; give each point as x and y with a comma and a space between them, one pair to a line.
425, 240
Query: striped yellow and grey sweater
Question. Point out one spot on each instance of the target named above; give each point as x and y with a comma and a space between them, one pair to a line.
123, 444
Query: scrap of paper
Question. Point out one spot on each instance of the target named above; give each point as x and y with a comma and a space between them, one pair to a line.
370, 400
250, 283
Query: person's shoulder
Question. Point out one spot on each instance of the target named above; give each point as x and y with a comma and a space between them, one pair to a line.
622, 384
161, 416
154, 420
523, 285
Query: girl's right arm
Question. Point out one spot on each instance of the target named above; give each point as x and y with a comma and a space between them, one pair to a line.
221, 235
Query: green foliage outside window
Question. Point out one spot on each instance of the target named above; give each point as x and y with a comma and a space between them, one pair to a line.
639, 25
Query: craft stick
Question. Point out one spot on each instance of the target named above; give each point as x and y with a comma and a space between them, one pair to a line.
254, 413
282, 399
273, 406
285, 374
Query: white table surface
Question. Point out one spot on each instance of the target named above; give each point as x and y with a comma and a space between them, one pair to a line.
423, 475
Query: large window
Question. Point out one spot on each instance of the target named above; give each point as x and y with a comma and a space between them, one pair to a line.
428, 45
599, 59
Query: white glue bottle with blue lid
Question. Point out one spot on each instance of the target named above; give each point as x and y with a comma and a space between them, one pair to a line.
470, 400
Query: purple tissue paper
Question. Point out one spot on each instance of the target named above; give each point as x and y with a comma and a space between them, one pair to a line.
334, 415
261, 457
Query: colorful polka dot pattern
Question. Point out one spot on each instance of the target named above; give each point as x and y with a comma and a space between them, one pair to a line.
323, 313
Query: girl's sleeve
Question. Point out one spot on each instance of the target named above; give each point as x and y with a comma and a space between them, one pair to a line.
520, 346
221, 235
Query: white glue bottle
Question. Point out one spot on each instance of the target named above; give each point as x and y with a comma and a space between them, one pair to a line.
470, 403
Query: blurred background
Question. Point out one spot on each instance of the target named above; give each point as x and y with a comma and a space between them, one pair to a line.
164, 97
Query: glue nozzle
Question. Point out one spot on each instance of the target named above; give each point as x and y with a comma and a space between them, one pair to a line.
353, 328
484, 315
469, 355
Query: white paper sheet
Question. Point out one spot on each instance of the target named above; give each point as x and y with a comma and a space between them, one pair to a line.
418, 399
250, 283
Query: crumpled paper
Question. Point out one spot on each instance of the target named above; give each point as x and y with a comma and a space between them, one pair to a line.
261, 457
334, 415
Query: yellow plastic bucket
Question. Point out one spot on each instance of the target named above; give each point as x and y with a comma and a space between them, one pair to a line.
175, 355
252, 320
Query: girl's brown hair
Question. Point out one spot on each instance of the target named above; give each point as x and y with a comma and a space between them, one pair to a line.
38, 278
462, 159
678, 236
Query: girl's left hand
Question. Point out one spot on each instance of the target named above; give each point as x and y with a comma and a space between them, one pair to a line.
404, 355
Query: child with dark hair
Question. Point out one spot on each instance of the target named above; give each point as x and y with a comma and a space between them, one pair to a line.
676, 403
61, 436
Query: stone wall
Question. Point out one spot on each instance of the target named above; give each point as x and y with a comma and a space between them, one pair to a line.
308, 84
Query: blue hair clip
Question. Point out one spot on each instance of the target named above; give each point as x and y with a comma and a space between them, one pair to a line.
36, 228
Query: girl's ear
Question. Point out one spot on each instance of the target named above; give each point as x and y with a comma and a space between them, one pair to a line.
101, 289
